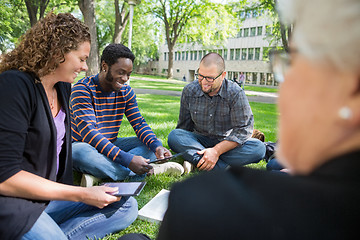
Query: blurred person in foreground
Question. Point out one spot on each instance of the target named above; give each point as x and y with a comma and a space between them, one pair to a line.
319, 142
36, 198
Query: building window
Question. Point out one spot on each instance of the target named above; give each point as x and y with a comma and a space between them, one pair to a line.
187, 55
252, 31
237, 56
257, 54
259, 31
231, 54
246, 32
191, 55
269, 79
251, 54
177, 70
247, 77
225, 54
255, 13
200, 54
243, 54
183, 56
262, 78
239, 35
254, 78
164, 56
195, 55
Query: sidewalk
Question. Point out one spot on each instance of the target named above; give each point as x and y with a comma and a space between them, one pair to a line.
261, 97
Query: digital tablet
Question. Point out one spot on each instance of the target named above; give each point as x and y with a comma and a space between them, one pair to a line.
166, 158
126, 188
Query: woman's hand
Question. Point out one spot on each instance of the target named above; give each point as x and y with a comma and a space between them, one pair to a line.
99, 196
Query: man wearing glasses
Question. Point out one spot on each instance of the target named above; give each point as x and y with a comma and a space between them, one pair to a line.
215, 121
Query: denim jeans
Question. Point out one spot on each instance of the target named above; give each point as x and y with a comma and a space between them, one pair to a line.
76, 220
252, 151
87, 159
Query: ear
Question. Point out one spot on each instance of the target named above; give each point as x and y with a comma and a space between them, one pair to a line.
353, 101
104, 66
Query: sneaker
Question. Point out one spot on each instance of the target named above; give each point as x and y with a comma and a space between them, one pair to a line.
88, 180
171, 168
188, 167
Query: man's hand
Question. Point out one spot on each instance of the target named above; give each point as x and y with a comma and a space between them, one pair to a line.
162, 152
209, 159
139, 165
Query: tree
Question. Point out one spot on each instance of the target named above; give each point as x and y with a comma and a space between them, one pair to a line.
13, 23
191, 21
88, 10
121, 19
33, 6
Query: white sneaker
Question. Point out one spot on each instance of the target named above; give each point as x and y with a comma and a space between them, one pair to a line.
188, 167
171, 168
88, 180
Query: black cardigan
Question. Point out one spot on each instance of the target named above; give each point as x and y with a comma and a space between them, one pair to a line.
245, 203
28, 142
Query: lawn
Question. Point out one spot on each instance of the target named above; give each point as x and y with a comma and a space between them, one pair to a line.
161, 113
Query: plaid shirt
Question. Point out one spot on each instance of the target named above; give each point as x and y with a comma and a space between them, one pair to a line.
225, 116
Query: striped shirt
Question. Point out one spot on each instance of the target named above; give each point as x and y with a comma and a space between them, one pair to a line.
96, 117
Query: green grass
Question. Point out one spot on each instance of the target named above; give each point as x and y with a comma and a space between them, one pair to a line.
135, 75
161, 113
144, 84
261, 89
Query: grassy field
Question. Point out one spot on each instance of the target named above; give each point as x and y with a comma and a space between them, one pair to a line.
161, 113
162, 83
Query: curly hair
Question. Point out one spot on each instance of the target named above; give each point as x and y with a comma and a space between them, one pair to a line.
43, 47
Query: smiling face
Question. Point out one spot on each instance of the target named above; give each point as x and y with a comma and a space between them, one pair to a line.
75, 62
116, 75
212, 71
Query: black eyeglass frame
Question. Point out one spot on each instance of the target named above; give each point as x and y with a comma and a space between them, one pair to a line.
197, 75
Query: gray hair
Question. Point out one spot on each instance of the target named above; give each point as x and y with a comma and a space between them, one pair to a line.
326, 30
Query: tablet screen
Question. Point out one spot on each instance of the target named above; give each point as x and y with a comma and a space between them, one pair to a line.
126, 188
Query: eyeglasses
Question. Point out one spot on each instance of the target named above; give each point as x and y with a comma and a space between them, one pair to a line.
280, 61
209, 79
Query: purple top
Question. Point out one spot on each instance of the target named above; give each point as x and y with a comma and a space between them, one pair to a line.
59, 121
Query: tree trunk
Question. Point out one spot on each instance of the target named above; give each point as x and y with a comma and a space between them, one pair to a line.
120, 21
32, 7
88, 10
32, 11
171, 61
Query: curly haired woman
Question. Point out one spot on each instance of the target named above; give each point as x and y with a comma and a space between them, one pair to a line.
36, 198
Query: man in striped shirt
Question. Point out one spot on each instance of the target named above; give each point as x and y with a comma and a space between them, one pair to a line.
98, 104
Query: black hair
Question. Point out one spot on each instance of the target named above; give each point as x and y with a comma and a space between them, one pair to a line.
114, 51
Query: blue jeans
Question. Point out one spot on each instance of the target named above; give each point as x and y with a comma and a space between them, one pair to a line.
87, 159
76, 220
252, 151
